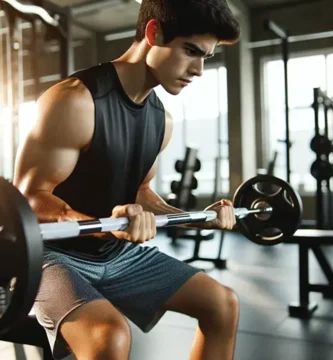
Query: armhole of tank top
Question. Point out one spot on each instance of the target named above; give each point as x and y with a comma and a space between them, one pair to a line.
163, 133
84, 153
164, 122
162, 109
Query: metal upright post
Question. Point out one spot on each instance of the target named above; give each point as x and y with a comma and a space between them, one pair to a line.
319, 193
35, 56
284, 36
13, 80
66, 44
285, 51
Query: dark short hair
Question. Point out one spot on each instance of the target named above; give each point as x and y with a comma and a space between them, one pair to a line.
189, 17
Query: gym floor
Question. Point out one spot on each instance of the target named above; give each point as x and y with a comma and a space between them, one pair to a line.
266, 280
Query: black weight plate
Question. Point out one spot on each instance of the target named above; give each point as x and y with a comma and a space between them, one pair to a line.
175, 187
321, 144
197, 165
179, 166
321, 169
21, 255
285, 217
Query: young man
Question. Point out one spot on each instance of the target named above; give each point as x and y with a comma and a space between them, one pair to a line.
92, 154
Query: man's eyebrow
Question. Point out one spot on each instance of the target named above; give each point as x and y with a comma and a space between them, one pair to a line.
198, 49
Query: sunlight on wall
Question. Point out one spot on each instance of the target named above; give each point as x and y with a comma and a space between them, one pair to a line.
27, 118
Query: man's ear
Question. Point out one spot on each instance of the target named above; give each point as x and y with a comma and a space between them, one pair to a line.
154, 33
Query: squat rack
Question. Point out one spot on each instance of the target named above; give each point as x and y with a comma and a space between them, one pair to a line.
322, 101
284, 39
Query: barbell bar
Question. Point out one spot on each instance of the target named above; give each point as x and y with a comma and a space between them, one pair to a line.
68, 229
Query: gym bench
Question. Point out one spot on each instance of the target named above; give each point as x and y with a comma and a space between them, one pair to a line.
311, 239
29, 332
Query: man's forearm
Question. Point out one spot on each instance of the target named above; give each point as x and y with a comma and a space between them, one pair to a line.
152, 202
49, 208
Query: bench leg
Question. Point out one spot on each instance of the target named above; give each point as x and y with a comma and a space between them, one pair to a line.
327, 270
303, 309
218, 262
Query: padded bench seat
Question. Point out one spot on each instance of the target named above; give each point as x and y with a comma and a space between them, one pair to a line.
311, 239
29, 332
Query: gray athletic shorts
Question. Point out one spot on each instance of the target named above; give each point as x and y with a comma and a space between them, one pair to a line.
137, 272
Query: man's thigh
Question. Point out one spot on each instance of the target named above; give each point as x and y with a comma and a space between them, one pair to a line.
141, 280
200, 295
62, 290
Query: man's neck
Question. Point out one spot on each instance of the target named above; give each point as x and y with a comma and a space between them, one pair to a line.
134, 74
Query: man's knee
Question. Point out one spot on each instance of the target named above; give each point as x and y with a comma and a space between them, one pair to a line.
97, 331
230, 299
221, 309
107, 342
108, 339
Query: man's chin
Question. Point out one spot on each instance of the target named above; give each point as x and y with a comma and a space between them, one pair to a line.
172, 90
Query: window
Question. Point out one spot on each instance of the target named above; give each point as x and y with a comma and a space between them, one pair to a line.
27, 117
6, 141
176, 148
200, 116
330, 75
305, 74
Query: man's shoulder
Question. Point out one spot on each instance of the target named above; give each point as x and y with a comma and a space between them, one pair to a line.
66, 108
156, 102
96, 79
87, 70
65, 91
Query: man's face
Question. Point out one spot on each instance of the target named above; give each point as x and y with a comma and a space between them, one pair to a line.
176, 64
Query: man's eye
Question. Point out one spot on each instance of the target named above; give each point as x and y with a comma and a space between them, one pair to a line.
191, 52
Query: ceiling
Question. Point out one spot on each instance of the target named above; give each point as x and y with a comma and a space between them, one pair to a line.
112, 16
103, 15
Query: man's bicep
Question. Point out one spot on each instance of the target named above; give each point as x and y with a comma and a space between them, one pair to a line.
41, 166
63, 127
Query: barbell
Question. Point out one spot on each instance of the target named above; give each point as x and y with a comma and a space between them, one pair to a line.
267, 209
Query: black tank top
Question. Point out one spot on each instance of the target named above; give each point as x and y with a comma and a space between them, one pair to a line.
126, 141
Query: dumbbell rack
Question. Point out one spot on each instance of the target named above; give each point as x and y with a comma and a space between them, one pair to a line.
185, 200
322, 169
